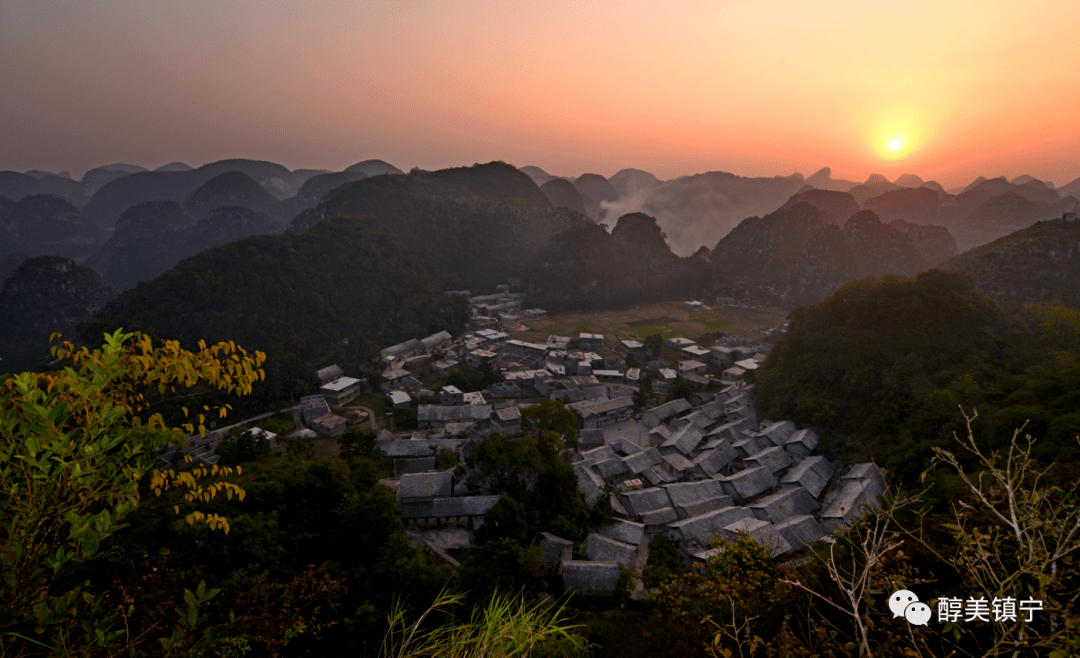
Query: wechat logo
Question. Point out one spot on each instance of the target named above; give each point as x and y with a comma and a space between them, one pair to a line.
904, 603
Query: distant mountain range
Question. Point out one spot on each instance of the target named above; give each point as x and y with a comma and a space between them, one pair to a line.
801, 253
785, 240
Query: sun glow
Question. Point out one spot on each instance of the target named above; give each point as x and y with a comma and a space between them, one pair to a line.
895, 144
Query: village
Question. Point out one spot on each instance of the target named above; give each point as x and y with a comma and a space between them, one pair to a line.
697, 466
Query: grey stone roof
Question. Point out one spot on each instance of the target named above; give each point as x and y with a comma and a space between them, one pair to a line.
329, 373
800, 531
435, 339
811, 474
597, 455
657, 475
611, 469
440, 413
804, 478
701, 528
659, 517
774, 459
556, 549
643, 461
590, 484
746, 484
464, 505
624, 447
746, 446
659, 414
627, 532
729, 431
646, 500
678, 464
427, 485
684, 440
870, 474
784, 504
594, 437
778, 432
604, 406
659, 434
802, 442
590, 578
682, 493
848, 502
603, 549
762, 532
712, 461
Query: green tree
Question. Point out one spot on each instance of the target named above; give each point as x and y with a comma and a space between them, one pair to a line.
654, 343
76, 446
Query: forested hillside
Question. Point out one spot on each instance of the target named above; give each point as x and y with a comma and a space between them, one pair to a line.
883, 366
1040, 263
330, 293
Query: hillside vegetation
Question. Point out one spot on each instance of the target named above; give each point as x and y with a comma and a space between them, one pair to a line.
330, 293
883, 366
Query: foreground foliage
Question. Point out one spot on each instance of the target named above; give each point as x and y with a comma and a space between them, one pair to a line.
76, 446
506, 626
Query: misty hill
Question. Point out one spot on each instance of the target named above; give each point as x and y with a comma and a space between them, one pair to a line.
594, 190
50, 225
823, 180
1070, 189
38, 174
977, 194
795, 256
232, 188
835, 207
14, 185
909, 180
631, 182
1003, 214
538, 175
145, 248
584, 267
470, 227
373, 168
332, 292
175, 166
910, 203
1036, 264
699, 210
319, 185
562, 194
17, 186
120, 194
875, 185
138, 222
46, 294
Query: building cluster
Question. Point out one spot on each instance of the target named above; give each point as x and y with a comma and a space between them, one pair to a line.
693, 468
710, 469
501, 309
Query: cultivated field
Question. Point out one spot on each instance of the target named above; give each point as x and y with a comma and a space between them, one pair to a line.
668, 319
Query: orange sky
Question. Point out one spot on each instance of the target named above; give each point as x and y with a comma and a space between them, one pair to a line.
754, 88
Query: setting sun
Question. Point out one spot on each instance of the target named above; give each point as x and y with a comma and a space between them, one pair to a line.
895, 144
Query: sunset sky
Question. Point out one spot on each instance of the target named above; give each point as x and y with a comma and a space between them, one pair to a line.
754, 88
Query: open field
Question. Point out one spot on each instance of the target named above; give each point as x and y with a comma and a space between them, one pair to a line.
668, 319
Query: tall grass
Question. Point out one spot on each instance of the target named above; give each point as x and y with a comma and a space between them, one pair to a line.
507, 626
